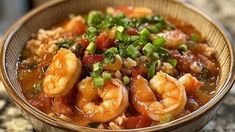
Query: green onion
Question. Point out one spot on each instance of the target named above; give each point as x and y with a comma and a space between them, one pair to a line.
107, 76
145, 32
109, 57
91, 48
126, 80
173, 62
94, 125
134, 38
65, 43
112, 50
159, 26
151, 70
92, 30
37, 87
94, 17
163, 53
118, 35
195, 37
158, 42
97, 66
132, 51
120, 29
98, 82
142, 40
183, 48
148, 49
155, 56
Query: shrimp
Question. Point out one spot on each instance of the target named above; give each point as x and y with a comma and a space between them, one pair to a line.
76, 25
190, 83
62, 73
102, 104
173, 38
172, 93
130, 12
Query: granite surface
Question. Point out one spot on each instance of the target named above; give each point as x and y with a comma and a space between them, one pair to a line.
12, 121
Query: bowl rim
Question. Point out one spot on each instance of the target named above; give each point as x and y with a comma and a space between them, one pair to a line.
23, 104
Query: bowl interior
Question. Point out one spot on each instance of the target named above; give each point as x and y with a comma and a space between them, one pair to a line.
56, 11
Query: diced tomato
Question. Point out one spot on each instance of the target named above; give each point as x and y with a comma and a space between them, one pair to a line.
132, 31
137, 122
41, 102
92, 59
84, 42
139, 70
103, 42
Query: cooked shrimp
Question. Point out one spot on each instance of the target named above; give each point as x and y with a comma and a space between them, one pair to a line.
130, 12
62, 73
102, 104
190, 83
76, 25
173, 38
172, 93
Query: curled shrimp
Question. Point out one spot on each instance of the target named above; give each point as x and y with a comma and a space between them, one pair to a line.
173, 38
62, 73
172, 96
130, 12
190, 83
102, 104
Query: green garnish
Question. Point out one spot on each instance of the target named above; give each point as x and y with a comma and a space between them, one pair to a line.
126, 80
148, 49
93, 125
65, 43
145, 32
92, 30
158, 42
97, 66
132, 52
151, 70
163, 53
173, 62
195, 37
94, 17
204, 73
109, 57
106, 75
183, 48
91, 48
134, 38
112, 50
120, 29
98, 82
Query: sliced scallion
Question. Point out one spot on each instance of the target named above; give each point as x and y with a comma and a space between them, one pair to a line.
106, 75
98, 82
91, 48
120, 29
132, 51
126, 80
158, 42
148, 49
151, 70
183, 48
94, 17
173, 62
144, 32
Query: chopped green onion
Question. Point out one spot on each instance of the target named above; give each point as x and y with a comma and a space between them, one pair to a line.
163, 53
118, 35
92, 30
65, 43
93, 125
145, 32
153, 29
98, 82
120, 29
109, 57
132, 51
142, 40
183, 48
112, 50
159, 26
155, 56
148, 49
195, 37
134, 38
91, 48
107, 76
97, 66
95, 74
126, 80
173, 62
94, 17
151, 70
158, 42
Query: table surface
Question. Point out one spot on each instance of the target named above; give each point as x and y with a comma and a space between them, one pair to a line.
11, 119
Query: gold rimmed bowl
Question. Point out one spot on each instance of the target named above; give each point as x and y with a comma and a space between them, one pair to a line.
54, 12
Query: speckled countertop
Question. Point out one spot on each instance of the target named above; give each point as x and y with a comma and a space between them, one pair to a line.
12, 121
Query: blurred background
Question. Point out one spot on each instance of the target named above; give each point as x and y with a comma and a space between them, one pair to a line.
11, 10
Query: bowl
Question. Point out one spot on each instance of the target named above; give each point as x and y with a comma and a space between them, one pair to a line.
53, 12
